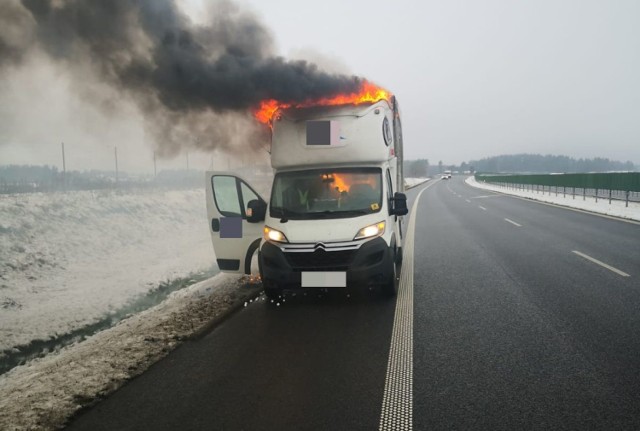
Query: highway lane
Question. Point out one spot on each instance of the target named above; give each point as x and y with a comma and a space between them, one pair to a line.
317, 363
511, 329
615, 240
314, 362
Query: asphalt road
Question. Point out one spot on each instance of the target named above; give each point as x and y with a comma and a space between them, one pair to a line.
514, 326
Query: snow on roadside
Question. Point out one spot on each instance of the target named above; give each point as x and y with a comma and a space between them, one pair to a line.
412, 182
615, 208
46, 392
54, 244
69, 259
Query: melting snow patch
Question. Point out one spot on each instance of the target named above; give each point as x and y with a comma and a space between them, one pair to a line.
44, 393
67, 260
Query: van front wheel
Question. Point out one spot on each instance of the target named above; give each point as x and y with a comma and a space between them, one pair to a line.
390, 287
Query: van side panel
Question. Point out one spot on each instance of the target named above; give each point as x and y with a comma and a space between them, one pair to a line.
361, 134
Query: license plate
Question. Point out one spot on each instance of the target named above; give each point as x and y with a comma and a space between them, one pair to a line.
324, 279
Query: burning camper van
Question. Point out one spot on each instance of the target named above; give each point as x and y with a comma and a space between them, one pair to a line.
334, 217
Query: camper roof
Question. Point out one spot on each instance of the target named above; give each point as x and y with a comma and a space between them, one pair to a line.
323, 111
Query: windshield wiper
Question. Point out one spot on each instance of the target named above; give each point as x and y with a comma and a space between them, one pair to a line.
284, 218
356, 212
337, 214
284, 213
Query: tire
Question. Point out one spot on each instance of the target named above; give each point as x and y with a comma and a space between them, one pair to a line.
390, 287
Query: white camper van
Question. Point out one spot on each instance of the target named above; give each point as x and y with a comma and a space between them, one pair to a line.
334, 216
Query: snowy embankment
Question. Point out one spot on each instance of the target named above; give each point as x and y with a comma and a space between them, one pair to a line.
413, 182
46, 392
614, 209
68, 260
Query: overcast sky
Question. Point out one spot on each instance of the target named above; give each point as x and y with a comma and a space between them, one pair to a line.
474, 78
480, 78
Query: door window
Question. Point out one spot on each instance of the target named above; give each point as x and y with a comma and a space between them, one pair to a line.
232, 195
226, 197
247, 195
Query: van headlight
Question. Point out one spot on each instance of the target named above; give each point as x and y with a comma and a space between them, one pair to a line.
370, 231
271, 234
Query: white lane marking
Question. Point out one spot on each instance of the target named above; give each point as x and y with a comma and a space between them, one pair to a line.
602, 264
501, 194
487, 196
512, 222
468, 200
482, 208
397, 401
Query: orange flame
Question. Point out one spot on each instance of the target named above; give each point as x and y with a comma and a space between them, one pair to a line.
368, 93
343, 182
340, 183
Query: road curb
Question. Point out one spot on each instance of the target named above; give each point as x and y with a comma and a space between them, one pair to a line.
255, 291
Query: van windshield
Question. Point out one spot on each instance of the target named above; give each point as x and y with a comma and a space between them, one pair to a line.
326, 193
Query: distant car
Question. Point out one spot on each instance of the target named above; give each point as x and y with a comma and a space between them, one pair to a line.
445, 177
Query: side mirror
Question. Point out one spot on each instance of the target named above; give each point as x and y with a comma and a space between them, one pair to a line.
256, 211
399, 204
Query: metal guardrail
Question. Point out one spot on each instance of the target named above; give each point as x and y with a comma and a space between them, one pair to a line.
622, 186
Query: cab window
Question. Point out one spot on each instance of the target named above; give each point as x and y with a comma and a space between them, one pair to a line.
327, 193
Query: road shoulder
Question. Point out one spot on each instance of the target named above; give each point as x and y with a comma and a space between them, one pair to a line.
44, 393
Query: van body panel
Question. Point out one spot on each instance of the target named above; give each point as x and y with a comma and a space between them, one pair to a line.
362, 136
357, 153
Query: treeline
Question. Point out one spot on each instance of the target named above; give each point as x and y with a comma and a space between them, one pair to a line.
537, 163
416, 168
30, 178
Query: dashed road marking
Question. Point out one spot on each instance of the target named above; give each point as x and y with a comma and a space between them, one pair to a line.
602, 264
487, 196
468, 200
397, 401
564, 207
482, 208
512, 222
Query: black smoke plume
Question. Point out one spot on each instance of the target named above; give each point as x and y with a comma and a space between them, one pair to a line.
193, 83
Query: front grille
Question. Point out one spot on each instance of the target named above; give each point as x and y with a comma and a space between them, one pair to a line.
320, 259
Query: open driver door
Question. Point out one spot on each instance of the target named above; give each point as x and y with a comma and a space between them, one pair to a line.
236, 220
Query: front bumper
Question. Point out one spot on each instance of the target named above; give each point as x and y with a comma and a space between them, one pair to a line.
371, 263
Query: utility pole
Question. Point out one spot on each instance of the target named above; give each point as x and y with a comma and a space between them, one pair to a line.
116, 155
64, 169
